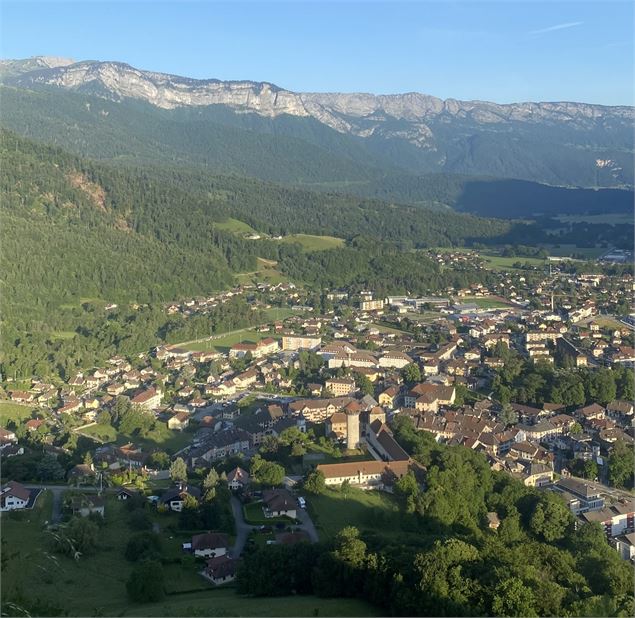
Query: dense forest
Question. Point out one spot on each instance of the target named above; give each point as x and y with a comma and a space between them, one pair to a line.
366, 264
446, 561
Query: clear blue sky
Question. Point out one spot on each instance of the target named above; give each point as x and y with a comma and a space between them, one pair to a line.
500, 51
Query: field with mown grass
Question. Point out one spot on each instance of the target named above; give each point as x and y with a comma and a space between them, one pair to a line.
485, 302
311, 242
235, 226
267, 272
369, 511
498, 262
161, 437
589, 253
224, 342
10, 411
611, 218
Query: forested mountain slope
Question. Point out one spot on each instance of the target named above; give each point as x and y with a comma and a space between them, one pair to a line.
74, 230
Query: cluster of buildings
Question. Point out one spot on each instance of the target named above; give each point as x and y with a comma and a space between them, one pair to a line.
456, 350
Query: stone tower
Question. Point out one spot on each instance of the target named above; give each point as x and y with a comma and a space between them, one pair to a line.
352, 428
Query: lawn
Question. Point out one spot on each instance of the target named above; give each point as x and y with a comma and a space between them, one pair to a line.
235, 226
485, 302
160, 437
225, 602
103, 433
62, 334
10, 411
498, 262
373, 511
163, 438
266, 273
274, 314
612, 218
310, 242
589, 253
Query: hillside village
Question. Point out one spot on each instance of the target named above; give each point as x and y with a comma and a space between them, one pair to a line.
318, 394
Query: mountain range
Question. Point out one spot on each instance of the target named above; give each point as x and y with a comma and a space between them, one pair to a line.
326, 137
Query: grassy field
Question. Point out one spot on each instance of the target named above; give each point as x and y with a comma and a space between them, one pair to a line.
62, 334
366, 510
95, 583
485, 302
163, 438
267, 272
235, 226
160, 437
389, 329
224, 342
104, 433
589, 253
612, 218
225, 602
278, 313
310, 242
606, 321
10, 411
498, 262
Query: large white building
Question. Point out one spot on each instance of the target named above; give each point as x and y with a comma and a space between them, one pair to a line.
299, 342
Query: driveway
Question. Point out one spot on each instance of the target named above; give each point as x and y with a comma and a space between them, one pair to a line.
307, 525
242, 528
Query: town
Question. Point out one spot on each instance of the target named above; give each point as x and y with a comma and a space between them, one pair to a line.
239, 434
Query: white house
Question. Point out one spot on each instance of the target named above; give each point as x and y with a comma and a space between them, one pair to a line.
14, 496
208, 545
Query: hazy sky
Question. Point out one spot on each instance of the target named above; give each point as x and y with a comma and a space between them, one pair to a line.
500, 51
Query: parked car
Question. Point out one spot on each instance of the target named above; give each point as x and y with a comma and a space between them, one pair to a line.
302, 502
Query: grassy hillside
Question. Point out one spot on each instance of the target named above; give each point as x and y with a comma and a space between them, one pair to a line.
310, 242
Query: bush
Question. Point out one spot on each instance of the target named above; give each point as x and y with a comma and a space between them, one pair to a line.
139, 520
143, 546
146, 582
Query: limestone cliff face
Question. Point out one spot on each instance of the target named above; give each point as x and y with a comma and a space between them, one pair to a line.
355, 113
